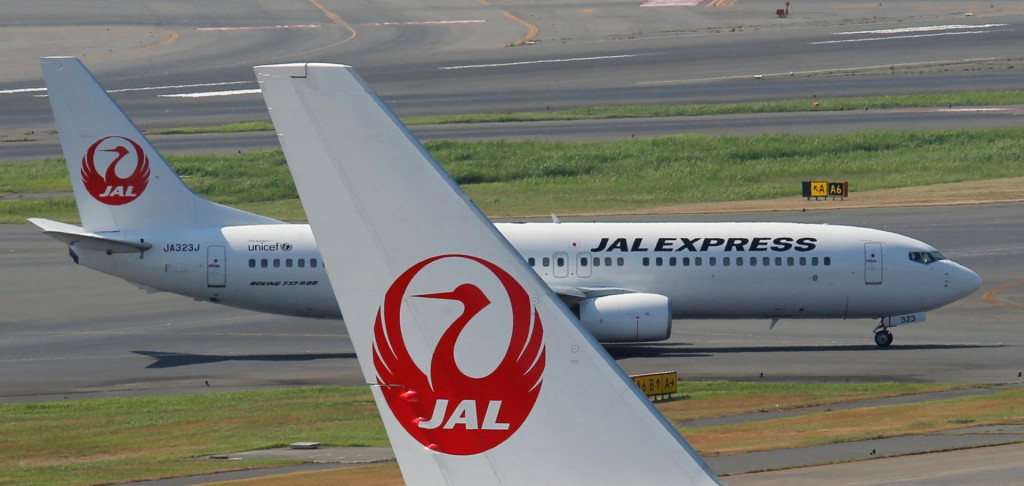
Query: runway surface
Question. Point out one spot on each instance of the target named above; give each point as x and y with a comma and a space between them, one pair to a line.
69, 332
189, 63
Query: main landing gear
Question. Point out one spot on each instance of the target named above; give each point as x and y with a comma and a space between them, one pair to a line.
883, 337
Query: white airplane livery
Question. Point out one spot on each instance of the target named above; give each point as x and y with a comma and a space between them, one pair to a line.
625, 281
481, 374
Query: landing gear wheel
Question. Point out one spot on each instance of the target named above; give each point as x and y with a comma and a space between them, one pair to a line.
883, 338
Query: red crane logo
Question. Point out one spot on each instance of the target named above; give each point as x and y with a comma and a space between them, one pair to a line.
450, 412
110, 188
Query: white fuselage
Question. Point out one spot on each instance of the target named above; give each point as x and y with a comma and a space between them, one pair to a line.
707, 270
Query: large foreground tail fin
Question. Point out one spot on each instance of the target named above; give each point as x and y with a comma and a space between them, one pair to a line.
482, 376
120, 181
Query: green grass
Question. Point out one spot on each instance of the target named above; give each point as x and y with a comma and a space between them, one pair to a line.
519, 178
264, 126
832, 426
966, 98
120, 439
535, 178
108, 440
37, 176
704, 399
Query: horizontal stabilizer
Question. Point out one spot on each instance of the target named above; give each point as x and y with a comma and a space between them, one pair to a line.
72, 234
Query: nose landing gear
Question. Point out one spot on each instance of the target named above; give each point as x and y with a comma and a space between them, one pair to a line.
883, 337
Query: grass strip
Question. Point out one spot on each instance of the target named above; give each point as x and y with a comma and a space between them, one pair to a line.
522, 178
999, 408
959, 99
253, 126
114, 440
120, 439
967, 98
705, 399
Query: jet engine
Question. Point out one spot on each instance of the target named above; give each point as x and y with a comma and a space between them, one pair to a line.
627, 317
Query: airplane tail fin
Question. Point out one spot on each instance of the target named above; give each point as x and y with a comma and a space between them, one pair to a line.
481, 375
120, 181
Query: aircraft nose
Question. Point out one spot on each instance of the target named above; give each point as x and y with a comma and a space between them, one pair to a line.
963, 281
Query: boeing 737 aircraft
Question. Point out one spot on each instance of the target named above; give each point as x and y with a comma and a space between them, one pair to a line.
625, 281
481, 376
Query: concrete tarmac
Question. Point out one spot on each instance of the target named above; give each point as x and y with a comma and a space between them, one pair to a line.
156, 56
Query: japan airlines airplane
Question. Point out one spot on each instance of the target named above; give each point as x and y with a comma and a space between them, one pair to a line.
481, 374
625, 281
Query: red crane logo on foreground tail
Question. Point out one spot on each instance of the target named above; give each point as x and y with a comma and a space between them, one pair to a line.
111, 188
450, 412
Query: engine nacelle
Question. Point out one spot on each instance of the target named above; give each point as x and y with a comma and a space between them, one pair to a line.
627, 317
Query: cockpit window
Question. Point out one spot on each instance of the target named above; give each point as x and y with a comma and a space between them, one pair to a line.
926, 257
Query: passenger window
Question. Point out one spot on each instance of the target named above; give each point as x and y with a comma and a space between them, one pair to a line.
646, 261
778, 261
546, 262
597, 262
583, 262
712, 261
302, 263
252, 263
532, 261
686, 261
766, 261
288, 262
560, 262
697, 261
828, 261
263, 263
753, 261
814, 261
312, 263
671, 261
803, 261
739, 261
620, 261
277, 263
658, 261
725, 261
789, 261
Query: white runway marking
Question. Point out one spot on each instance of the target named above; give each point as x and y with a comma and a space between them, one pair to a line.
259, 27
543, 61
915, 32
816, 71
177, 86
671, 3
424, 22
128, 90
210, 94
899, 37
930, 28
22, 90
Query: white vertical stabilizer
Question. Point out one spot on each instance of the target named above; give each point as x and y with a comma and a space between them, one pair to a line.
120, 181
482, 376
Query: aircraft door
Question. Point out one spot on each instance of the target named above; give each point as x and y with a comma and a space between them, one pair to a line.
216, 266
560, 265
872, 263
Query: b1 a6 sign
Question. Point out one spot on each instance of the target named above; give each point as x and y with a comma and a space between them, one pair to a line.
656, 384
820, 189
